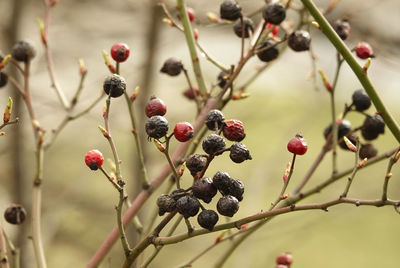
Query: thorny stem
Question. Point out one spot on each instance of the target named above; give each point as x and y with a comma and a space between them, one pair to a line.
388, 174
353, 174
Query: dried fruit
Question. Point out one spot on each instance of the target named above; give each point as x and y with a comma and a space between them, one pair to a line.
269, 54
344, 128
342, 28
204, 189
367, 151
156, 127
155, 106
372, 127
230, 10
239, 153
165, 203
114, 85
214, 120
188, 206
274, 13
183, 131
195, 163
23, 51
207, 219
94, 159
172, 67
299, 40
213, 143
233, 130
361, 100
222, 181
228, 205
236, 189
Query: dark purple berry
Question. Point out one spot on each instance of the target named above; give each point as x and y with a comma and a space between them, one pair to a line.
114, 85
172, 67
361, 100
342, 28
299, 40
177, 193
204, 189
207, 219
269, 54
222, 181
165, 203
3, 79
230, 10
248, 27
343, 129
274, 13
367, 151
15, 214
239, 153
156, 127
222, 79
372, 127
195, 163
213, 143
188, 206
228, 205
23, 51
214, 120
236, 189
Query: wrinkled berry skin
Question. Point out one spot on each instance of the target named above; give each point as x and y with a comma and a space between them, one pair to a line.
222, 181
342, 28
274, 13
222, 79
156, 127
155, 106
299, 40
15, 214
177, 193
284, 259
207, 219
165, 203
213, 143
204, 189
343, 129
188, 206
195, 163
372, 127
228, 206
23, 51
172, 67
3, 79
230, 10
248, 26
239, 153
269, 54
297, 145
94, 159
115, 85
183, 131
214, 119
120, 52
361, 100
236, 189
364, 50
367, 151
233, 130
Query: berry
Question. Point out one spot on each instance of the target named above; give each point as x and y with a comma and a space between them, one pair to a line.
178, 193
367, 151
94, 159
361, 100
188, 93
156, 127
195, 163
268, 54
15, 214
230, 10
372, 127
284, 259
239, 153
274, 13
213, 143
222, 79
228, 205
248, 27
297, 145
364, 50
207, 219
172, 67
204, 189
352, 137
114, 85
342, 28
183, 131
23, 51
236, 189
190, 13
3, 79
234, 130
299, 40
155, 106
120, 52
188, 206
344, 128
165, 203
222, 181
214, 119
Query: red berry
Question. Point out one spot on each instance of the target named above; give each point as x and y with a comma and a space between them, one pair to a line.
155, 106
297, 145
190, 13
188, 93
234, 130
364, 50
183, 131
120, 52
94, 159
285, 259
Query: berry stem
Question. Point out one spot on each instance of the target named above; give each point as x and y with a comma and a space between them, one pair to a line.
193, 91
242, 38
15, 252
355, 169
172, 166
388, 174
124, 240
3, 250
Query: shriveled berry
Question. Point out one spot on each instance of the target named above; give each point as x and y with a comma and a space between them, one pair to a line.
352, 137
269, 54
172, 67
372, 127
177, 193
183, 131
222, 79
3, 79
15, 214
239, 153
367, 151
190, 13
195, 163
344, 128
214, 120
233, 130
155, 106
274, 13
156, 127
361, 100
297, 145
222, 181
284, 259
94, 159
165, 203
120, 52
364, 50
299, 40
188, 206
204, 189
248, 27
230, 10
228, 205
191, 93
207, 219
213, 143
23, 51
114, 85
236, 189
342, 28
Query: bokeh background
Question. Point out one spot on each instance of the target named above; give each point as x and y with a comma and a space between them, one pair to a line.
78, 204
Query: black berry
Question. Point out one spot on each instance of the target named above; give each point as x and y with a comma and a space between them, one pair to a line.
230, 10
367, 151
195, 163
248, 27
228, 205
222, 79
204, 189
188, 206
343, 128
177, 193
156, 127
214, 119
3, 79
23, 51
213, 143
274, 13
15, 214
114, 85
239, 153
361, 100
222, 181
342, 28
372, 127
236, 189
207, 219
299, 40
268, 54
165, 203
172, 67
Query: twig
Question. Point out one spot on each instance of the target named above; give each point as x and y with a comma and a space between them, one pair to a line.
15, 254
353, 174
388, 174
3, 250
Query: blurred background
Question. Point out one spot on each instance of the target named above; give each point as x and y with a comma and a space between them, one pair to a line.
78, 204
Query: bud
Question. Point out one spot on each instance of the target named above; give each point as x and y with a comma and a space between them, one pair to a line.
108, 63
367, 64
240, 96
7, 111
104, 131
159, 145
5, 61
221, 235
316, 25
42, 31
213, 17
168, 22
182, 169
287, 172
82, 67
135, 93
196, 33
325, 80
2, 133
396, 156
362, 163
349, 144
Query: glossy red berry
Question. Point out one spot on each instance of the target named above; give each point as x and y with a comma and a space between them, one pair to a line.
284, 259
234, 130
364, 50
120, 52
94, 159
190, 13
183, 131
297, 145
155, 106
